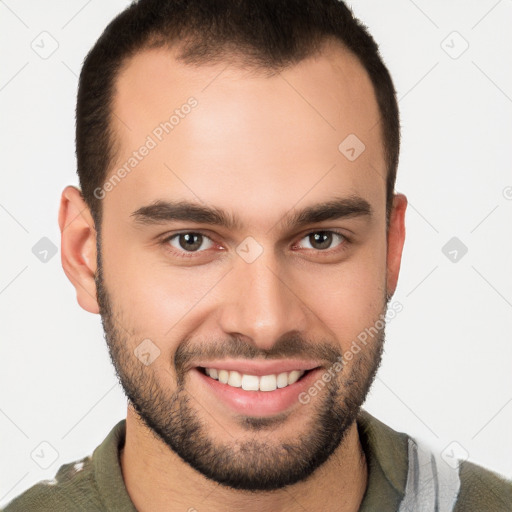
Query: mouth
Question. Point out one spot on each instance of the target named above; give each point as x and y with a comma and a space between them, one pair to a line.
249, 382
257, 391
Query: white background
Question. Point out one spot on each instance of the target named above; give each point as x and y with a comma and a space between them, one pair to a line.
446, 374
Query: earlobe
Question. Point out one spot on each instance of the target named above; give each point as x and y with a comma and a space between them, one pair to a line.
396, 239
78, 246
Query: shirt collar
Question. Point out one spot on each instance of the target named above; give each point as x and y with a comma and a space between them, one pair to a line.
385, 451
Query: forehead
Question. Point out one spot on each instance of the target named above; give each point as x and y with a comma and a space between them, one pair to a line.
220, 133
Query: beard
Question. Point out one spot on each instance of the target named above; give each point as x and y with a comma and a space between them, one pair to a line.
261, 463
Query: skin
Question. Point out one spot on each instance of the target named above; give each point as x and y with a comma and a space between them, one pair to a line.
240, 151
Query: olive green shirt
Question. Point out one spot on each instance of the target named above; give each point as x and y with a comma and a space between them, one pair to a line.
95, 483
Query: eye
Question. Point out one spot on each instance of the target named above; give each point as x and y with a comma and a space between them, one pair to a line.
322, 240
189, 241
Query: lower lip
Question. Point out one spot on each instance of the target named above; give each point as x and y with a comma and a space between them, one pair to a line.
259, 403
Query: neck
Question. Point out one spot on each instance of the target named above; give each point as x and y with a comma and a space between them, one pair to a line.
158, 480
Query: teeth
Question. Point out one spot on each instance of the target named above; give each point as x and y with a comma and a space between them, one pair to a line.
223, 376
250, 383
235, 379
294, 376
253, 382
268, 383
282, 380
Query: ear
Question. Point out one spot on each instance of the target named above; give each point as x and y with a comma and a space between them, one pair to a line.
78, 247
396, 238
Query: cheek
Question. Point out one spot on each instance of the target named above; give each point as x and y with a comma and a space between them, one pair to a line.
152, 295
348, 298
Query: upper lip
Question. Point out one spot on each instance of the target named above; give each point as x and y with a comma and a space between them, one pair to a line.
259, 368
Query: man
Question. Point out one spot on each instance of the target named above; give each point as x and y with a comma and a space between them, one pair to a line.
237, 229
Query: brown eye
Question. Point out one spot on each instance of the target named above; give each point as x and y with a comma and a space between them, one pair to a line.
322, 240
189, 241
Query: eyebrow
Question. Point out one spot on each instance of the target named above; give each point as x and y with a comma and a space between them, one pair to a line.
160, 212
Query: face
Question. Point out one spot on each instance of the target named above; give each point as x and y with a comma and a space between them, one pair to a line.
244, 245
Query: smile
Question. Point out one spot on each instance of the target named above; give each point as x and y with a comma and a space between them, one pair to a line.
249, 382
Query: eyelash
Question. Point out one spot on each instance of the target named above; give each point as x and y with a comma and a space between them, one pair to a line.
191, 254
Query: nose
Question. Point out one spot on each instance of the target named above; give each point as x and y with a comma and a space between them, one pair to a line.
260, 302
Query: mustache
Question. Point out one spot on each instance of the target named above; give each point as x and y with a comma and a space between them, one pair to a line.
291, 346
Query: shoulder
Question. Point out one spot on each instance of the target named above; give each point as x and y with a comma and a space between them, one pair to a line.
72, 488
91, 484
423, 479
482, 489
